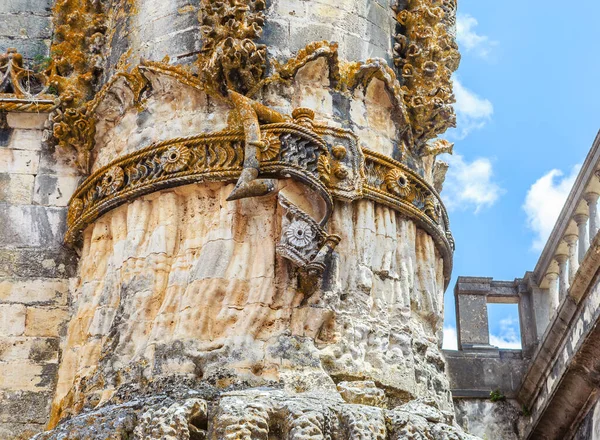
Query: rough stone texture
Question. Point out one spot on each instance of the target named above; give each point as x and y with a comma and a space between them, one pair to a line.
34, 275
363, 29
258, 414
166, 292
590, 426
185, 321
490, 420
26, 24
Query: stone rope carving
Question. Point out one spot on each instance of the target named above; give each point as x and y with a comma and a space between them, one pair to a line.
288, 149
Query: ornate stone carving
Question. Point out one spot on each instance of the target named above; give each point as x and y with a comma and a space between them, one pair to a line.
75, 128
303, 240
426, 54
79, 28
230, 59
217, 157
22, 89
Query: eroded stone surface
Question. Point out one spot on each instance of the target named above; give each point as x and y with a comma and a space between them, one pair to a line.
257, 414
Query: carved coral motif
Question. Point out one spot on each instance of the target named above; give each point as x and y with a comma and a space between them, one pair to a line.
174, 422
79, 28
22, 89
426, 54
230, 59
18, 81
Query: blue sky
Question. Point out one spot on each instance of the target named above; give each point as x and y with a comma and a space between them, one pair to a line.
528, 92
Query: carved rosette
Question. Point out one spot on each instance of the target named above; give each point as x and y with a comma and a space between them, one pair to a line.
398, 184
175, 159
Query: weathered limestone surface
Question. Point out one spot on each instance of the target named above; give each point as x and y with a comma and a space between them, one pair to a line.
182, 289
186, 319
491, 420
35, 272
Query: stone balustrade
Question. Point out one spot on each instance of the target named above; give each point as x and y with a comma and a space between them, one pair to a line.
570, 240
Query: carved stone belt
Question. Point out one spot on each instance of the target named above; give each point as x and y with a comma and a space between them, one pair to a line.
326, 159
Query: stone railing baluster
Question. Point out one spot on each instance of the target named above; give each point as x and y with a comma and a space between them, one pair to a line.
592, 201
563, 281
571, 240
552, 278
581, 220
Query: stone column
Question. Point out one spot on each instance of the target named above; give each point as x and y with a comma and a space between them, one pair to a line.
553, 292
592, 200
571, 241
265, 307
584, 243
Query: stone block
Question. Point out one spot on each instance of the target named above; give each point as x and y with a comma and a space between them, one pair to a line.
27, 376
12, 319
16, 188
48, 292
27, 26
29, 48
38, 263
41, 7
61, 162
37, 350
53, 190
19, 161
26, 225
44, 321
26, 139
473, 320
24, 406
26, 120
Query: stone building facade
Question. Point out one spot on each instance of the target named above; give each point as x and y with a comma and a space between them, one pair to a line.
222, 220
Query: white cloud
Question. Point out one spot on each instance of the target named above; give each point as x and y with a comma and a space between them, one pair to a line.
469, 185
472, 111
508, 337
469, 39
545, 200
450, 342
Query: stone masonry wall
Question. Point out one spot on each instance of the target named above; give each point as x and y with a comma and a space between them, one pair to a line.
34, 272
27, 25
